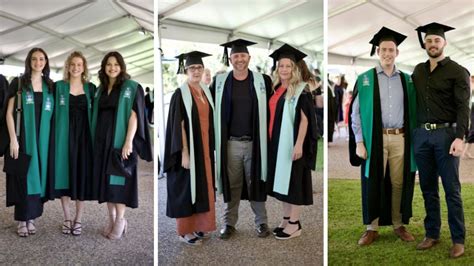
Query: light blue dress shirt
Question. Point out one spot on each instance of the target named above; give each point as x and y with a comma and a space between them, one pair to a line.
391, 101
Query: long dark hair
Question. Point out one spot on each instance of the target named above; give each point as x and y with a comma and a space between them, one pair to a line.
26, 77
104, 79
306, 75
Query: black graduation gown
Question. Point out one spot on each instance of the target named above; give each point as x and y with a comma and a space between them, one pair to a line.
149, 107
27, 207
81, 179
377, 189
178, 180
470, 135
332, 113
3, 107
300, 191
339, 91
103, 143
257, 188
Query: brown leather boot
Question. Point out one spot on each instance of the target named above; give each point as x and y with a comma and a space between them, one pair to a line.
368, 237
404, 234
427, 243
456, 251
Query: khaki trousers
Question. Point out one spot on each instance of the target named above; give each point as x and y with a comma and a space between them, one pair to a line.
393, 152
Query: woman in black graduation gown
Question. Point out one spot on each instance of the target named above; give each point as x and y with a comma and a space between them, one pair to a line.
73, 140
121, 133
189, 154
27, 179
293, 141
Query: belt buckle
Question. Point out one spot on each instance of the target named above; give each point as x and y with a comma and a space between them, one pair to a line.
428, 126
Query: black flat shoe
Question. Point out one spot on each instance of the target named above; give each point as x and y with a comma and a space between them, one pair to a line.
262, 230
201, 235
193, 241
227, 232
283, 236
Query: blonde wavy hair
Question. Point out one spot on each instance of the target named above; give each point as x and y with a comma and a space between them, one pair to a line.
67, 63
294, 81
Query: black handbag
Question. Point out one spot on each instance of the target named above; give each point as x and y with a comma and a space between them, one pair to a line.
119, 166
17, 167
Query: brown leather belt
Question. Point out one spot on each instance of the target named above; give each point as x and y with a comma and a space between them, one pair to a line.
393, 131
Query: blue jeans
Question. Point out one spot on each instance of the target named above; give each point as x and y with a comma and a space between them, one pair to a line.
433, 159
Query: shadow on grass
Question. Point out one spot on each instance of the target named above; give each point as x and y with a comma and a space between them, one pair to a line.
345, 227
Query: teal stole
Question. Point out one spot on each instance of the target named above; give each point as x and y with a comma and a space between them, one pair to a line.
365, 86
37, 149
62, 131
286, 143
188, 105
128, 91
261, 92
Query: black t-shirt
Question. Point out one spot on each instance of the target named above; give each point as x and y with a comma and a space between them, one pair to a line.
241, 113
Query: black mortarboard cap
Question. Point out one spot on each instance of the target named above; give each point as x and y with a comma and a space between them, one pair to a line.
434, 29
386, 34
191, 58
286, 51
236, 46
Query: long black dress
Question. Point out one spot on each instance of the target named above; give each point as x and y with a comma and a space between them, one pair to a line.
300, 191
104, 135
80, 152
27, 207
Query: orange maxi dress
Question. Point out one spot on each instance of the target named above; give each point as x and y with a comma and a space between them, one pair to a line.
206, 221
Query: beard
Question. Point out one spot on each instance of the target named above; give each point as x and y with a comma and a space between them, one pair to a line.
435, 53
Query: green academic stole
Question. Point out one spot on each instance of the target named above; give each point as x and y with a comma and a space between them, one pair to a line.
260, 91
188, 105
62, 131
128, 92
36, 178
411, 93
284, 161
365, 85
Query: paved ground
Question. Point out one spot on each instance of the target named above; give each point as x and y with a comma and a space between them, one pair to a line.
339, 166
50, 247
246, 248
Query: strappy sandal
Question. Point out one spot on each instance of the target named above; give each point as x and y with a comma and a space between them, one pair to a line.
31, 230
278, 228
76, 230
22, 231
66, 227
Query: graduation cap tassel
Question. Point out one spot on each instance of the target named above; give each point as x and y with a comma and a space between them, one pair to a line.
274, 64
181, 65
420, 39
372, 51
225, 57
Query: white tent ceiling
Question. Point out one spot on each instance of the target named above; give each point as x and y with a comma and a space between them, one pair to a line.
352, 23
91, 26
268, 22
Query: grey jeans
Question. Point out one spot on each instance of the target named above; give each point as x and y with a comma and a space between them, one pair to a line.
239, 161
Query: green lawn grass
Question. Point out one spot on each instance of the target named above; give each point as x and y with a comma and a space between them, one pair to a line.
345, 228
320, 155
